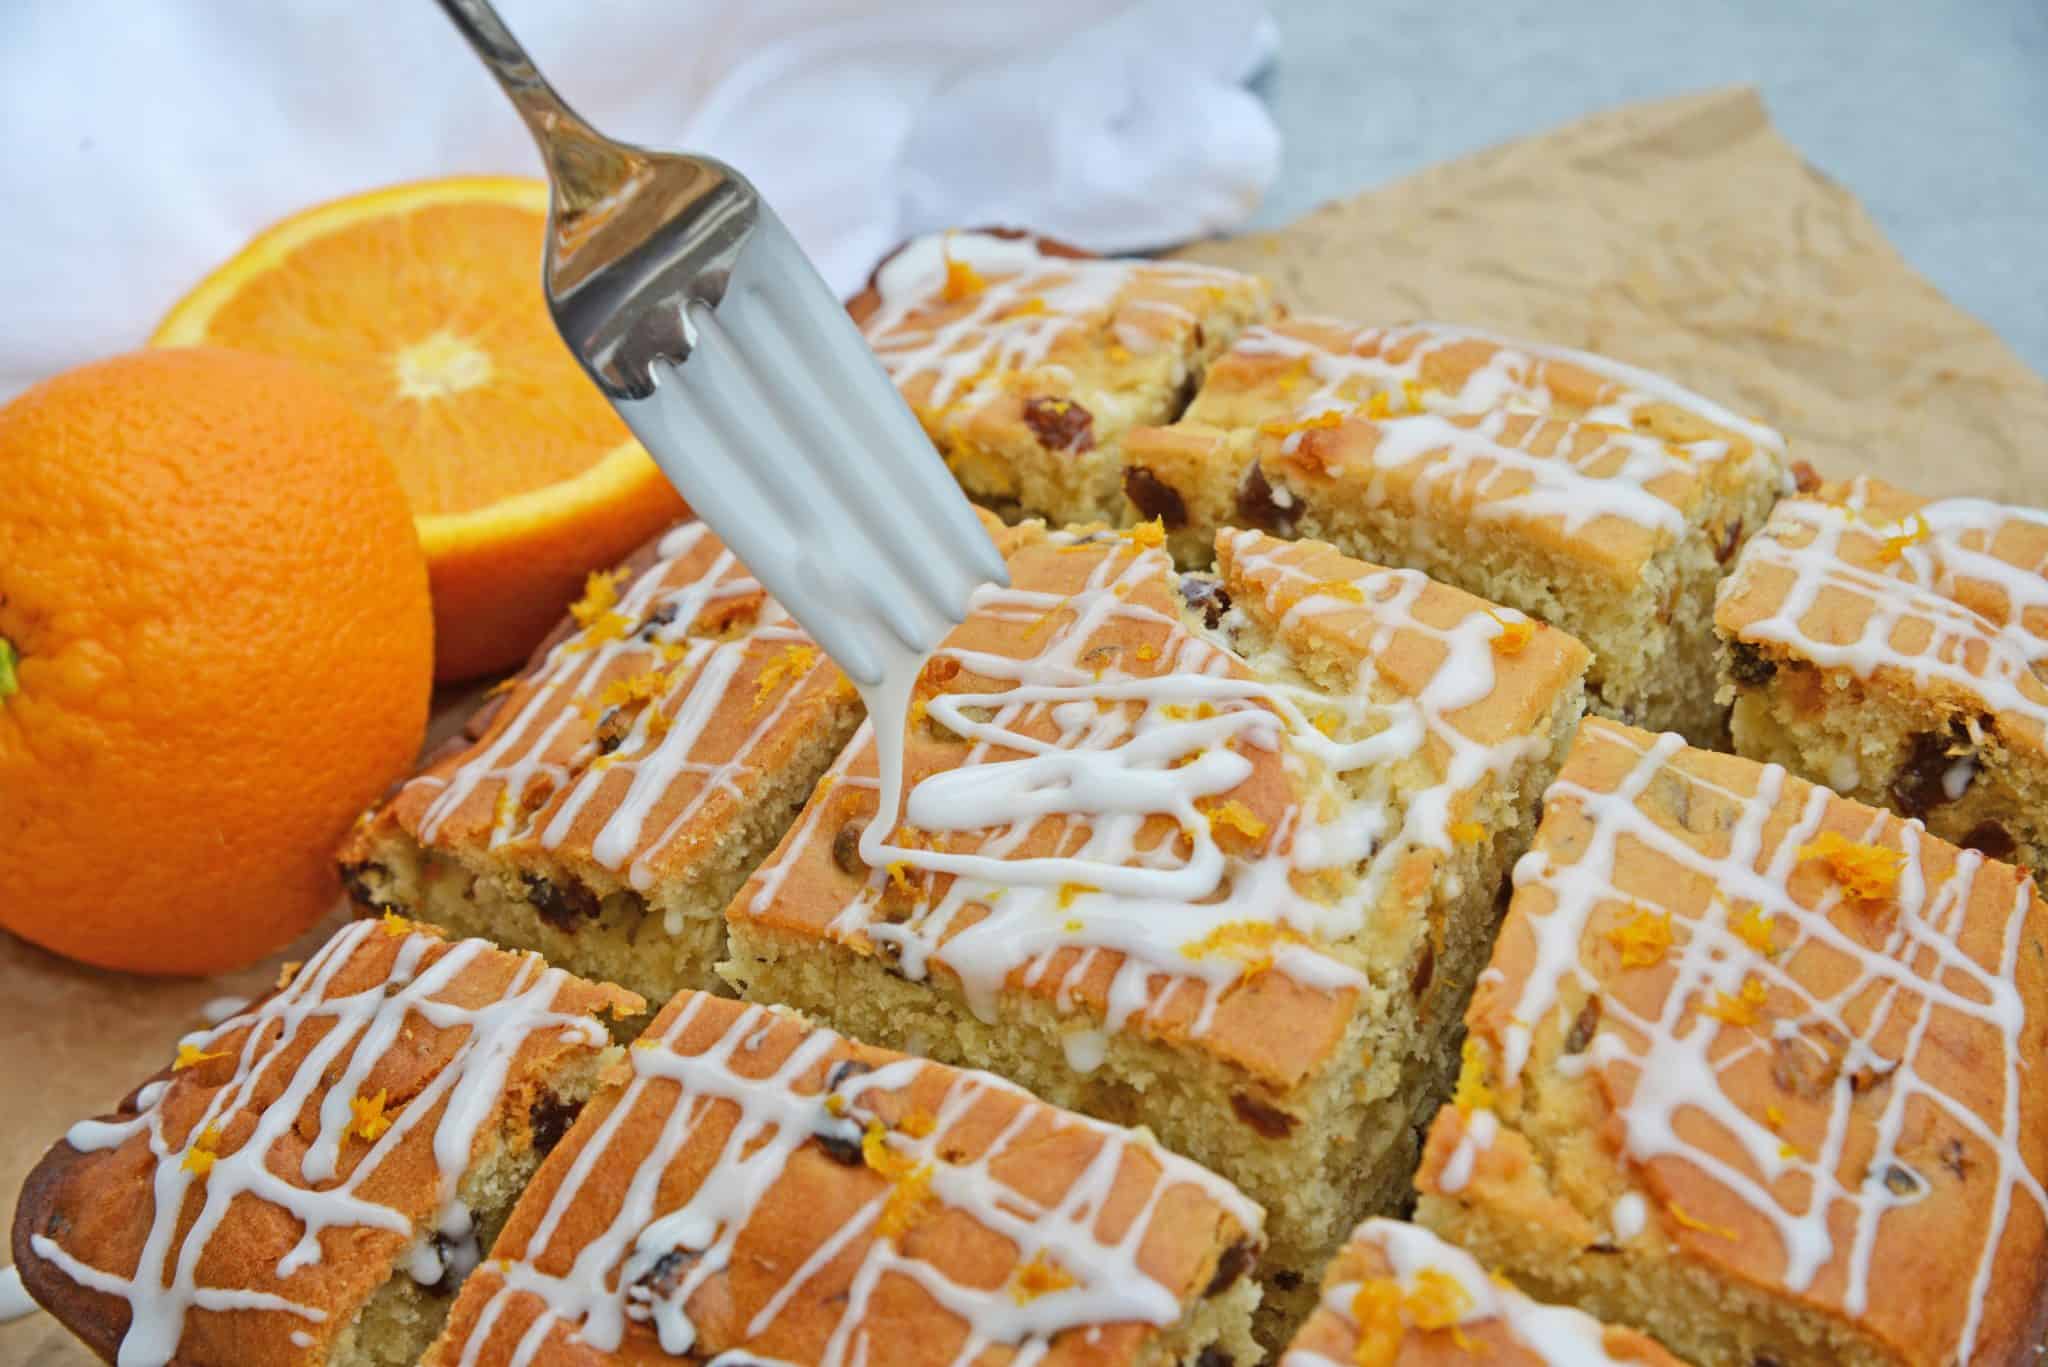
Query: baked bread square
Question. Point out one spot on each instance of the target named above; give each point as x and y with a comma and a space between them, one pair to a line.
310, 1180
748, 1188
1027, 361
1398, 1296
1216, 855
1600, 498
1894, 648
1754, 1070
604, 808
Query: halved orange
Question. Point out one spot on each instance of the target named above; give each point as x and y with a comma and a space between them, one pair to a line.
422, 304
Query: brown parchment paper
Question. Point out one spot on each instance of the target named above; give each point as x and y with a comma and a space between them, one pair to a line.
1685, 236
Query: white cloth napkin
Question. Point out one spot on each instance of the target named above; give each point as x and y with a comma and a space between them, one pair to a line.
144, 143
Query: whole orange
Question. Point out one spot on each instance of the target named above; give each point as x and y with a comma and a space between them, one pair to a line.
216, 647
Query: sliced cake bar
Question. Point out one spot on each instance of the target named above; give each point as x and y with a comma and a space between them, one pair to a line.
604, 809
1398, 1296
747, 1188
1028, 361
1215, 855
1595, 496
1755, 1070
310, 1180
1894, 648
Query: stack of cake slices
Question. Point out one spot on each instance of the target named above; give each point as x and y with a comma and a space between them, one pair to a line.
1446, 849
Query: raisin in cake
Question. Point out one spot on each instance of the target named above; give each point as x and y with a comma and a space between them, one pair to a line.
1600, 498
604, 809
1028, 361
1893, 648
1398, 1296
309, 1181
748, 1188
1754, 1069
1215, 855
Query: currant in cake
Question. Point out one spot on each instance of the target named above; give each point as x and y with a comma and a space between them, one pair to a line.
1217, 855
1893, 648
310, 1180
1754, 1070
1398, 1296
1595, 496
748, 1188
604, 809
1027, 361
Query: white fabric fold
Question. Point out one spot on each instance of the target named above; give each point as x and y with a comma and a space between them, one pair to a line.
143, 144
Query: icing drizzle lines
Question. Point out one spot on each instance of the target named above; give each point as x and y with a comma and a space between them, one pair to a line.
361, 1027
658, 1250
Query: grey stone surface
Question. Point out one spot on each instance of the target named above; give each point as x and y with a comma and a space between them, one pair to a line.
1934, 112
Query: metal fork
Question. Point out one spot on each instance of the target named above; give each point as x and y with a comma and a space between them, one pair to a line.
728, 356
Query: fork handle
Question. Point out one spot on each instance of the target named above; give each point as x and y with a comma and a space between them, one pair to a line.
585, 166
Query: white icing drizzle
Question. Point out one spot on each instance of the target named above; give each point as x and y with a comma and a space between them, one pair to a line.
1834, 549
662, 746
15, 1302
1674, 1060
1132, 746
1553, 1334
968, 355
1475, 448
626, 1271
360, 1028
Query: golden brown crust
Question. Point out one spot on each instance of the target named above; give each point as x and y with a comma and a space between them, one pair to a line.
849, 1195
1586, 461
637, 739
1448, 1312
1945, 601
1717, 985
1277, 1026
87, 1215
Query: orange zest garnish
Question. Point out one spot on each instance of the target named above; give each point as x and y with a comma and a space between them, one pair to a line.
1249, 942
631, 689
1376, 1310
1678, 1213
1412, 392
1438, 1300
790, 663
1039, 1277
1149, 535
1329, 417
191, 1056
1473, 1093
368, 1120
1643, 939
1515, 633
1753, 928
600, 596
396, 926
1069, 891
1742, 1008
909, 1180
1913, 531
1147, 652
1467, 832
918, 1124
1342, 589
200, 1158
899, 874
1868, 873
1380, 405
962, 281
1234, 815
1026, 307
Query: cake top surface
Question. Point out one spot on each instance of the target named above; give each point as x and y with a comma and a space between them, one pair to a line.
1398, 1296
1948, 597
1603, 461
245, 1202
754, 1186
969, 320
627, 751
1802, 1029
1211, 810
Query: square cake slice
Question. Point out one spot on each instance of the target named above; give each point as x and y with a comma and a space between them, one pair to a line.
1397, 1295
605, 808
1028, 361
1595, 496
748, 1188
1896, 649
310, 1180
1219, 856
1756, 1070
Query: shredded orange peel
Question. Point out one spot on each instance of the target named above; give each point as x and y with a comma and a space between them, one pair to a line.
1867, 873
